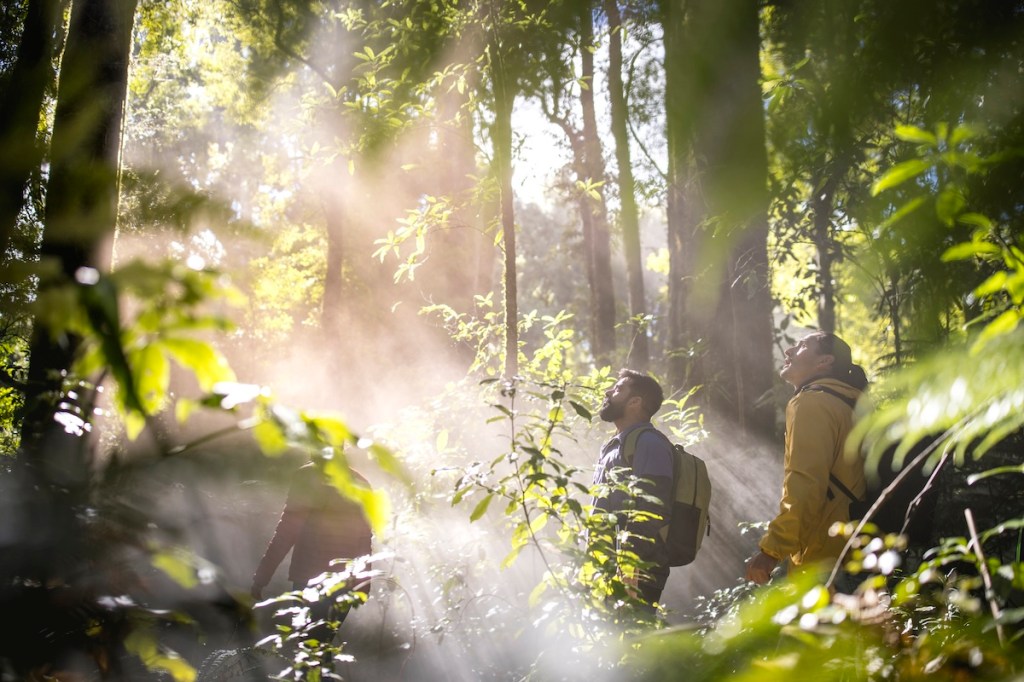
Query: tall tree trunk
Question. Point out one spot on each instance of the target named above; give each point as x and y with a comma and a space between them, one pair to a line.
639, 350
454, 168
599, 252
81, 197
719, 105
681, 199
334, 213
821, 205
504, 98
588, 216
21, 101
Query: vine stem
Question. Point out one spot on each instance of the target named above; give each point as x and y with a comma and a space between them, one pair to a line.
526, 509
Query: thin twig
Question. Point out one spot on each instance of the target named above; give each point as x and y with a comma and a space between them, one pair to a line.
985, 575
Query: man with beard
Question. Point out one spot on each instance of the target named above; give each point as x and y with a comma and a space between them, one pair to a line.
640, 450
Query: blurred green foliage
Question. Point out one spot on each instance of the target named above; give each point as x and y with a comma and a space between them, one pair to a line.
895, 144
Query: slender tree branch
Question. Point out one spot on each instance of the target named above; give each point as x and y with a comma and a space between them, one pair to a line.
985, 575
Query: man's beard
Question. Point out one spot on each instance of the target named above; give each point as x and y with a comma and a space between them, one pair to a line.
611, 411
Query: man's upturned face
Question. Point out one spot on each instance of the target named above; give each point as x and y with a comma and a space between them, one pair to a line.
615, 399
804, 361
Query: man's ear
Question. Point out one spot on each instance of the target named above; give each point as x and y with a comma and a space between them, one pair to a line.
826, 361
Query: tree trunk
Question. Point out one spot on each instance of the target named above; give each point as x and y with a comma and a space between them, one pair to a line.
504, 98
21, 101
639, 351
334, 213
681, 197
595, 210
822, 209
717, 108
454, 168
81, 197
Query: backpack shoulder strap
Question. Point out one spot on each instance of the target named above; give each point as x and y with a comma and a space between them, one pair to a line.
852, 402
629, 444
842, 488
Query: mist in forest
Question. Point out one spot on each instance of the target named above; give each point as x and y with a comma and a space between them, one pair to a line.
442, 608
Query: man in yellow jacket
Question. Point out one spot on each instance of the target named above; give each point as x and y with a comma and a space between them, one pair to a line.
819, 479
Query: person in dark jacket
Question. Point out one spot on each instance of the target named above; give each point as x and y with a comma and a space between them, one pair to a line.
630, 404
318, 525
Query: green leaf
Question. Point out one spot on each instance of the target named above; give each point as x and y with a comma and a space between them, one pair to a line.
1004, 324
977, 220
332, 427
903, 211
375, 503
177, 567
536, 593
949, 204
899, 174
1012, 524
142, 642
184, 408
968, 250
270, 438
208, 365
134, 423
511, 556
481, 507
581, 410
387, 461
964, 132
909, 133
995, 283
152, 376
998, 471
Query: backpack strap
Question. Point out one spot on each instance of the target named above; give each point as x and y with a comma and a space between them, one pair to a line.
842, 488
629, 449
852, 403
629, 444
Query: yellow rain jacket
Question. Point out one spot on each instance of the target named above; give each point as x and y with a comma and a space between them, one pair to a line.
817, 424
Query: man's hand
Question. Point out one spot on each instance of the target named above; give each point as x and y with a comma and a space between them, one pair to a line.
760, 567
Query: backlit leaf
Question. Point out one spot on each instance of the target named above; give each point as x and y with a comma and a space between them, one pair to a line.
899, 174
481, 507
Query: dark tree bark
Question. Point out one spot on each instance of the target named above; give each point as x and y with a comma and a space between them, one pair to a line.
639, 350
81, 197
821, 205
21, 101
684, 235
716, 110
599, 251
